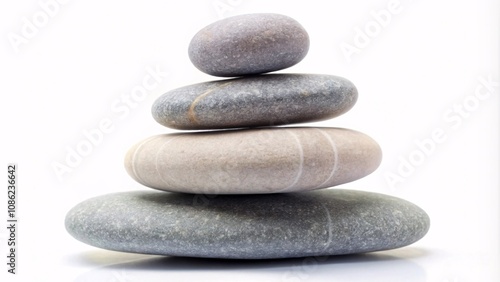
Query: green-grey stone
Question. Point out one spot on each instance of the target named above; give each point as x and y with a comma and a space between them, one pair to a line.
264, 100
318, 223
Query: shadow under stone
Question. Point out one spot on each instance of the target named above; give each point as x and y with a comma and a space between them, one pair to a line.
395, 265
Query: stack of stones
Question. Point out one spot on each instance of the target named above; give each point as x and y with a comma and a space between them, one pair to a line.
243, 190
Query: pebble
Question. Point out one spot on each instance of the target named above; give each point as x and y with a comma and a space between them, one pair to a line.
249, 44
265, 100
318, 223
251, 161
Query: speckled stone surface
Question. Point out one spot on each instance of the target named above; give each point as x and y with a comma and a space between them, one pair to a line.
266, 160
265, 100
326, 222
249, 44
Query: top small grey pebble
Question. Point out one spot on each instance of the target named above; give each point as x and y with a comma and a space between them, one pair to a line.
249, 44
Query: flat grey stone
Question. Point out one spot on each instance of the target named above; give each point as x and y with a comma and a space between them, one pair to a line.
249, 44
318, 223
253, 161
264, 100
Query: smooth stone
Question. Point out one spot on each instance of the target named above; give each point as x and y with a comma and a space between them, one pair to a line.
253, 161
249, 44
265, 100
318, 223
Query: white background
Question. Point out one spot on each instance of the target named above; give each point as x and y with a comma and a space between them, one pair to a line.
428, 59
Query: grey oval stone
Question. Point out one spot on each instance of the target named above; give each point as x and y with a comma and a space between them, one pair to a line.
249, 44
318, 223
253, 161
265, 100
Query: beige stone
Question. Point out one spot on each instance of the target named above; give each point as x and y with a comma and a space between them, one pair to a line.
252, 161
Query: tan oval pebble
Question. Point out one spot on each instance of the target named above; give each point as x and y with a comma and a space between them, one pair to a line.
253, 161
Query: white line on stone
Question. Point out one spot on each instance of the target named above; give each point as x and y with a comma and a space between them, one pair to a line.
301, 165
330, 231
335, 158
134, 170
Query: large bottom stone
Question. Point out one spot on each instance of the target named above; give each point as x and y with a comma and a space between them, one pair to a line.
326, 222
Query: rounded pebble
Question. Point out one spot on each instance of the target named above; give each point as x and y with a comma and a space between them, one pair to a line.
253, 161
318, 223
265, 100
249, 44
